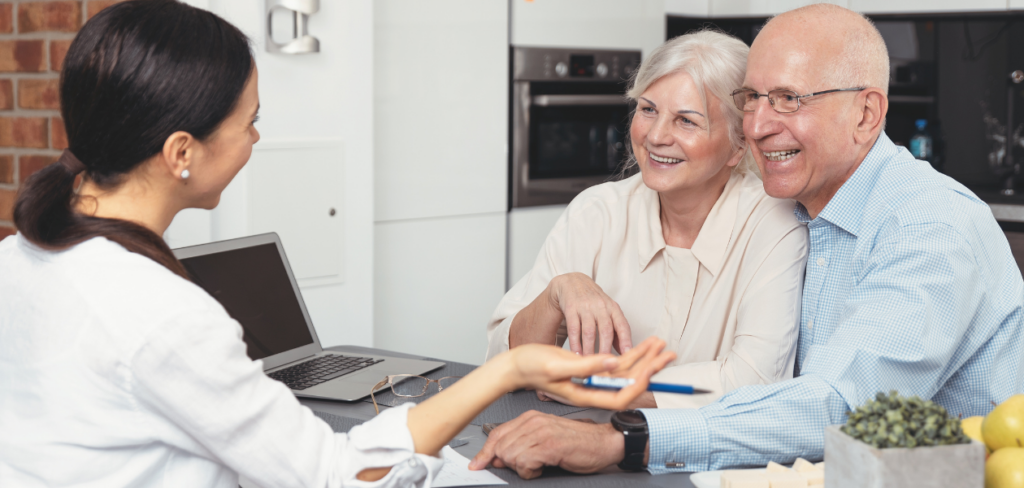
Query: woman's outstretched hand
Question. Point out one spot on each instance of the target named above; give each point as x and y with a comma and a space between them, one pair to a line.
551, 369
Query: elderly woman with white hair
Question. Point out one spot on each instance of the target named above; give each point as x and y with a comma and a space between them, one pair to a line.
691, 249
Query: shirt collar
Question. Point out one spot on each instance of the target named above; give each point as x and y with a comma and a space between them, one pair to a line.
844, 209
710, 246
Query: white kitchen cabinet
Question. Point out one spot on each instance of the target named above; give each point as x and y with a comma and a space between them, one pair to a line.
437, 283
929, 6
528, 228
591, 24
314, 155
760, 8
440, 108
688, 8
765, 8
309, 221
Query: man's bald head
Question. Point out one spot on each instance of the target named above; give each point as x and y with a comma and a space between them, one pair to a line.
849, 49
808, 154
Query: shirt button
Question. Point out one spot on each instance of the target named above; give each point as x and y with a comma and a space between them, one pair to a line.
810, 324
821, 261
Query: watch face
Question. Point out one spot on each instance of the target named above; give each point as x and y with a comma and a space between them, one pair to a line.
631, 418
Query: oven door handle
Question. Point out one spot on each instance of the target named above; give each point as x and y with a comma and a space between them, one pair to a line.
578, 100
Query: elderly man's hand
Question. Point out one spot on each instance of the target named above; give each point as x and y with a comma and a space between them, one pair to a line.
534, 440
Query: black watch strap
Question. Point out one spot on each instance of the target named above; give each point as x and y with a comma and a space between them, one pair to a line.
633, 426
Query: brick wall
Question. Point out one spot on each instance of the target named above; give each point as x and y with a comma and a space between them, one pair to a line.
34, 36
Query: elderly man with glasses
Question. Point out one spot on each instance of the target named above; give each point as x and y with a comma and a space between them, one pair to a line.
910, 283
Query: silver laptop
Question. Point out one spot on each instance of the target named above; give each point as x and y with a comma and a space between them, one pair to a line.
251, 278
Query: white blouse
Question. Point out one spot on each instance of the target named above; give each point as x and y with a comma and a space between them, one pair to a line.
729, 306
116, 372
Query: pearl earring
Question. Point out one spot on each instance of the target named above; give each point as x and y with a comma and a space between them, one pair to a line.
184, 175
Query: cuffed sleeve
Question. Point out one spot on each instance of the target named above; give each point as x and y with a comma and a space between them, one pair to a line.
385, 441
676, 436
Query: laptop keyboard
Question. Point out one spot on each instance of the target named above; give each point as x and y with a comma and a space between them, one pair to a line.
321, 369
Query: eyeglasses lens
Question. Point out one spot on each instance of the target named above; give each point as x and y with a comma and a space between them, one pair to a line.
745, 100
409, 386
447, 381
783, 101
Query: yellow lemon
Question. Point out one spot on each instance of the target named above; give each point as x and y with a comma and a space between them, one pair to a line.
1005, 468
1004, 425
972, 427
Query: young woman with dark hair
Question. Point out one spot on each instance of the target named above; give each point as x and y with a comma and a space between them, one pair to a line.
115, 370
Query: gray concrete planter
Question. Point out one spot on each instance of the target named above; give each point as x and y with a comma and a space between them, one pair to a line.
850, 463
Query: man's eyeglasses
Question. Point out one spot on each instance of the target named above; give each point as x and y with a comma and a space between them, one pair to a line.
410, 386
783, 101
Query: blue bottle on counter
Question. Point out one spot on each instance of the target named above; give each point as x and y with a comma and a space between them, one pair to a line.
921, 142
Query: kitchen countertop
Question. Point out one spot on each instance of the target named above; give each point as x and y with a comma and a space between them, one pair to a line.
1005, 208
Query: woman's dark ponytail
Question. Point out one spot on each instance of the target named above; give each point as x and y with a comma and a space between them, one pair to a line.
136, 73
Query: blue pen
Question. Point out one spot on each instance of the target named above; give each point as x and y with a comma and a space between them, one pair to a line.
610, 383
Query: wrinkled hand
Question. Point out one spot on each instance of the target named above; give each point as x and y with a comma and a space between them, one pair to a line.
550, 369
534, 440
589, 314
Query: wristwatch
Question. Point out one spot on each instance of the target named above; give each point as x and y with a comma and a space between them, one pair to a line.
633, 426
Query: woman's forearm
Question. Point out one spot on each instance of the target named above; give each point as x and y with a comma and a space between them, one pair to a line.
436, 421
537, 323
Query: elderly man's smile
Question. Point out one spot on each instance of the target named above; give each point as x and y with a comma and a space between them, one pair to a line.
778, 156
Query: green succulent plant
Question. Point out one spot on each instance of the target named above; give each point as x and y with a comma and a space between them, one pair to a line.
896, 421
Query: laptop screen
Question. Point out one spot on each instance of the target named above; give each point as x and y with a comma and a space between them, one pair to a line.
253, 286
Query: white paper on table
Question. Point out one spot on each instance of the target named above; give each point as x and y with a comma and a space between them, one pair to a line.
456, 472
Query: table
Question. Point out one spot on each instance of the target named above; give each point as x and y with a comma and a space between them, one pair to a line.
610, 477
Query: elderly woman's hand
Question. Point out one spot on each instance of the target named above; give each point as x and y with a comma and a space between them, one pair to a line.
589, 314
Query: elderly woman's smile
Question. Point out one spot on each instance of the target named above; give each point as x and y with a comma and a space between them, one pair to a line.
665, 159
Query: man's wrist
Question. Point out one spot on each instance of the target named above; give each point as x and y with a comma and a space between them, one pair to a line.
616, 443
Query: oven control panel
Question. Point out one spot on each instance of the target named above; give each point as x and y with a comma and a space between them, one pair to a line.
552, 64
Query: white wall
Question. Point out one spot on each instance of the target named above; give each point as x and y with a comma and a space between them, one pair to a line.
440, 134
528, 228
317, 126
688, 8
930, 6
438, 281
761, 8
594, 24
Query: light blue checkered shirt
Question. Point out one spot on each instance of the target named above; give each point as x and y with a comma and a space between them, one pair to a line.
910, 286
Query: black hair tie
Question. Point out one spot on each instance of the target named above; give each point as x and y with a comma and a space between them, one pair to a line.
70, 162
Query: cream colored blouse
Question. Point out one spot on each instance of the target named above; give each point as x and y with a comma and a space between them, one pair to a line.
729, 307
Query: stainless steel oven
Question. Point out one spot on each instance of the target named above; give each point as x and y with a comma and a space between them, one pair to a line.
569, 116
